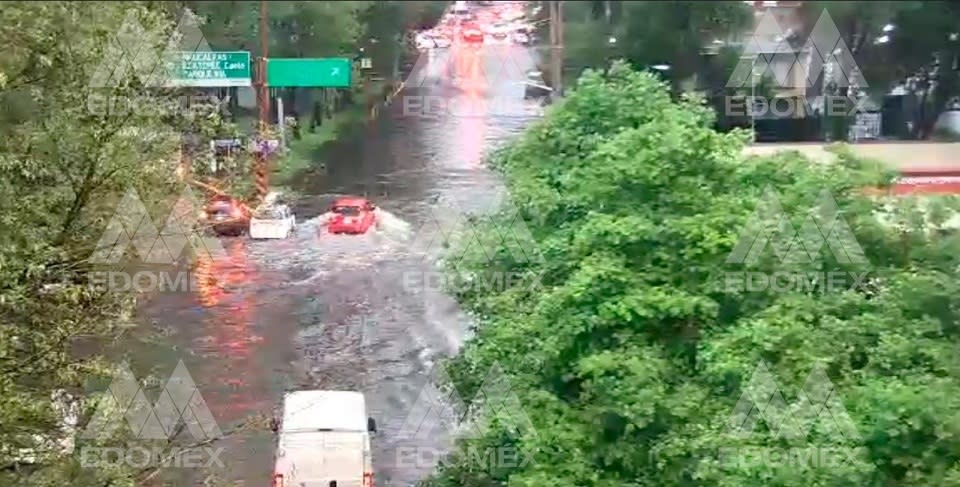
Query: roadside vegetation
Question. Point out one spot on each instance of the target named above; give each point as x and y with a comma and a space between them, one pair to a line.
69, 154
643, 352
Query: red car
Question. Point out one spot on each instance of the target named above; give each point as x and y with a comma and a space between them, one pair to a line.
472, 35
226, 216
351, 215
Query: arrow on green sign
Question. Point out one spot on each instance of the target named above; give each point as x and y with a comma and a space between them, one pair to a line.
310, 72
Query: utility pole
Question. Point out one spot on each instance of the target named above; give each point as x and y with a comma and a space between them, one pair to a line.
263, 93
556, 47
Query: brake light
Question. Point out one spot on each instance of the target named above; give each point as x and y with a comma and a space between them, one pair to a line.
367, 479
278, 480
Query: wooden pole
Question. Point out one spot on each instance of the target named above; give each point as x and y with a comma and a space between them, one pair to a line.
556, 46
262, 168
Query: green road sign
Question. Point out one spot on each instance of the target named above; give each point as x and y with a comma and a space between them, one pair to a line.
210, 69
318, 72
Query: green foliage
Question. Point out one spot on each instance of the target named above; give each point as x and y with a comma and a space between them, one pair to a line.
644, 352
650, 33
70, 152
65, 163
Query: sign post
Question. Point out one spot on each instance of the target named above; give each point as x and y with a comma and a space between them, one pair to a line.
209, 69
283, 124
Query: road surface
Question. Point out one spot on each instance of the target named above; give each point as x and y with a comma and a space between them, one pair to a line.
326, 312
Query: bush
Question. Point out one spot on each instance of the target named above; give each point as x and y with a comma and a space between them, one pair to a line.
646, 356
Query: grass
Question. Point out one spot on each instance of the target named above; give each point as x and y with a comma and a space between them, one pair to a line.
302, 154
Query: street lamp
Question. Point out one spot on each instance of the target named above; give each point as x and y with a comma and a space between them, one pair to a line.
612, 40
753, 93
661, 67
889, 27
753, 98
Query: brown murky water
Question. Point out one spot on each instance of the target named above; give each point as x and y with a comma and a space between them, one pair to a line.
333, 312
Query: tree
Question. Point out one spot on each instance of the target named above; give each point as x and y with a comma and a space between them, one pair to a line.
71, 150
652, 33
646, 352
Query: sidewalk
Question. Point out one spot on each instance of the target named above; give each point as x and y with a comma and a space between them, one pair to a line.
906, 155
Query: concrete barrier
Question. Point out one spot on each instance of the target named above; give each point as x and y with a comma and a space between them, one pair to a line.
907, 156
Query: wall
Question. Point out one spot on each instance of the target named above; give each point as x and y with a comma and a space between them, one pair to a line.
904, 155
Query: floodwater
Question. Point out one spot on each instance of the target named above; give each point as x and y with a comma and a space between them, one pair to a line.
318, 311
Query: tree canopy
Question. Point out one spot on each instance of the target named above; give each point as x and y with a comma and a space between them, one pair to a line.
73, 147
649, 360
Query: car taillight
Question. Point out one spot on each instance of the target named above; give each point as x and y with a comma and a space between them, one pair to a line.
278, 480
367, 479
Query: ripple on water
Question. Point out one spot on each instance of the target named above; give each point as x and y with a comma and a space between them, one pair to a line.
316, 253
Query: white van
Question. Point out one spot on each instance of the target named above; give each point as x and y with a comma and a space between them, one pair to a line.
324, 437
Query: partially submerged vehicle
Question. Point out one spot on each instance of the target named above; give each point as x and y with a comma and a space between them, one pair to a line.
272, 221
226, 216
351, 215
535, 87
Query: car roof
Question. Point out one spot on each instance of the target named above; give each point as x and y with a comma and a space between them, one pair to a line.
350, 202
324, 410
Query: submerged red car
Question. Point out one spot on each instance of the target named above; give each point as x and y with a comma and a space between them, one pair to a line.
351, 215
472, 35
226, 216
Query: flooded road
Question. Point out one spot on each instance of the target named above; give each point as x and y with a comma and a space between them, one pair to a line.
318, 311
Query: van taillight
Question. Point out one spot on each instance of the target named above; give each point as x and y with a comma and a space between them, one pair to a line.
367, 479
278, 480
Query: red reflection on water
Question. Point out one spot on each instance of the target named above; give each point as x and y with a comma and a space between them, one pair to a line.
473, 111
223, 287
